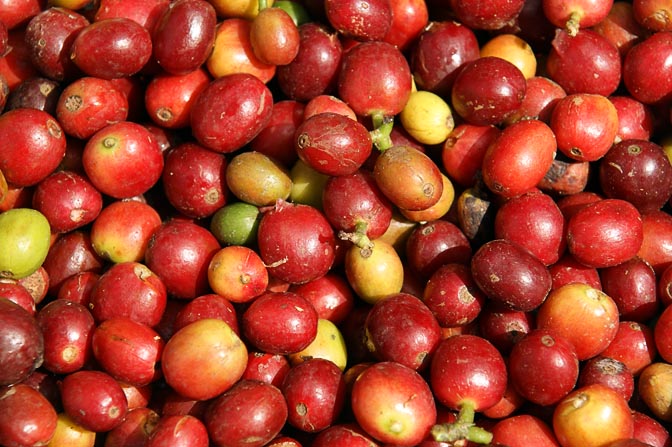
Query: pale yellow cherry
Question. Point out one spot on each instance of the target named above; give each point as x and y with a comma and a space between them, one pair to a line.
245, 9
328, 344
427, 117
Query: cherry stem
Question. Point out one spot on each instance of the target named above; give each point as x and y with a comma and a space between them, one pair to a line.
572, 24
358, 237
462, 429
382, 128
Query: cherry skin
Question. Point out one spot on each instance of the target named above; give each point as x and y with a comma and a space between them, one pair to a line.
467, 373
488, 90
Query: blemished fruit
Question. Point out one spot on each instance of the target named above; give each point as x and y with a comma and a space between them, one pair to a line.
342, 223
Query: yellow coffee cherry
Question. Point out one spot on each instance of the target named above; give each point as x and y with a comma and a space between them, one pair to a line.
246, 9
427, 117
329, 344
513, 49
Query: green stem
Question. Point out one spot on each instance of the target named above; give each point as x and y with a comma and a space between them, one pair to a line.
462, 429
358, 237
263, 4
382, 128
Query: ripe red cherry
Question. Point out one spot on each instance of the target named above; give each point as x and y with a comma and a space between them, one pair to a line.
374, 79
296, 242
94, 400
609, 372
315, 392
32, 144
605, 233
655, 249
632, 285
129, 290
554, 360
584, 63
637, 171
486, 16
112, 48
26, 416
452, 295
433, 244
68, 201
355, 206
207, 306
463, 152
88, 104
15, 292
172, 430
646, 69
510, 274
526, 428
503, 326
193, 179
332, 143
314, 70
179, 252
71, 254
467, 373
409, 17
123, 159
488, 90
330, 295
68, 328
541, 95
249, 410
534, 221
369, 20
634, 345
276, 139
169, 98
572, 15
292, 327
230, 111
519, 158
585, 125
145, 12
567, 269
635, 119
401, 328
49, 36
22, 343
440, 52
128, 351
652, 15
184, 35
661, 334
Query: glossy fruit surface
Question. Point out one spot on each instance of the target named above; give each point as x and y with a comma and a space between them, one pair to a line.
22, 337
26, 235
111, 48
245, 103
226, 354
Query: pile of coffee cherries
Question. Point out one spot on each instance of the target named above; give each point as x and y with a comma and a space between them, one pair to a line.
342, 223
